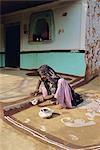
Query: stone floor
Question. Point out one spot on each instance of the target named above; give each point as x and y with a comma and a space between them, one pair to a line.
77, 127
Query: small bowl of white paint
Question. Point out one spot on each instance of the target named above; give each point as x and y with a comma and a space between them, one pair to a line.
45, 112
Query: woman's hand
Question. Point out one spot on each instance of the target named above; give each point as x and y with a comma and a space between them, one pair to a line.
35, 93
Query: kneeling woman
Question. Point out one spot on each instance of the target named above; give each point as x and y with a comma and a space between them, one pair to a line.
53, 86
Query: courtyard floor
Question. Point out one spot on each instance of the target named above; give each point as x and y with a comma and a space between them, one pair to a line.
21, 128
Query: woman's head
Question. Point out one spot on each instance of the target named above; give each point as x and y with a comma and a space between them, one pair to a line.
43, 70
47, 72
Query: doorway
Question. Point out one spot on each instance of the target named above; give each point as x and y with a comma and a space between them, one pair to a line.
12, 48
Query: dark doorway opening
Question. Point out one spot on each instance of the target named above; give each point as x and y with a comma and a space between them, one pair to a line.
12, 49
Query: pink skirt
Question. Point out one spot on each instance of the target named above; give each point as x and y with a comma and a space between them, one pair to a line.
63, 93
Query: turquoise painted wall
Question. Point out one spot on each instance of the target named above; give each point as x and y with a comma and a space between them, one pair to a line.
2, 60
28, 61
65, 62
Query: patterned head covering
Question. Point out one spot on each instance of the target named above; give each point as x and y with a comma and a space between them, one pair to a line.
51, 77
47, 71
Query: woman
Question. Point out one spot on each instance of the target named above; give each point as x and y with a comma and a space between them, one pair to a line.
53, 86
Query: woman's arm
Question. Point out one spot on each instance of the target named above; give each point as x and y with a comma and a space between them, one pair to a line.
48, 97
38, 85
37, 88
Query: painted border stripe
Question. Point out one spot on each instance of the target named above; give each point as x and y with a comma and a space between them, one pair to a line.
36, 134
44, 138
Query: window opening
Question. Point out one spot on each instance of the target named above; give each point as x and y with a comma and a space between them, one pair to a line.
41, 27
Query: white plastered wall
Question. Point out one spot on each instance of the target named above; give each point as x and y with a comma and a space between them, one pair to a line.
73, 26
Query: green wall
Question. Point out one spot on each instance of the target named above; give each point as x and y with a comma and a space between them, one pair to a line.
65, 62
2, 60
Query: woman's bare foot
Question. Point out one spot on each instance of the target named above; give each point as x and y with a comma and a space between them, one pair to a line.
53, 102
60, 106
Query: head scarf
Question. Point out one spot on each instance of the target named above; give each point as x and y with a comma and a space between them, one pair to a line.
51, 76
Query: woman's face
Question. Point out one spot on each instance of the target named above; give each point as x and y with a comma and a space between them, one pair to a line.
43, 77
